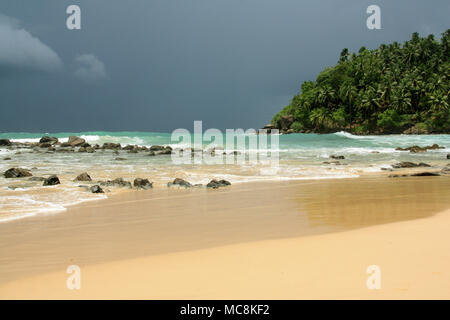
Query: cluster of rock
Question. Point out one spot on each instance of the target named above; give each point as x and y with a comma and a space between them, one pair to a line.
138, 183
416, 149
74, 143
406, 164
214, 184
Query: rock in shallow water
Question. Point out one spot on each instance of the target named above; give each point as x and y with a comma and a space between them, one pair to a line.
5, 142
75, 141
17, 173
214, 184
142, 183
51, 181
50, 140
407, 164
118, 182
97, 189
179, 182
83, 177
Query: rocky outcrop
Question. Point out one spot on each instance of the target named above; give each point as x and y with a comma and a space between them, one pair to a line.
51, 181
286, 122
448, 156
157, 150
83, 177
179, 182
416, 149
407, 164
47, 139
142, 183
118, 182
5, 142
111, 146
96, 189
267, 129
75, 141
17, 173
214, 184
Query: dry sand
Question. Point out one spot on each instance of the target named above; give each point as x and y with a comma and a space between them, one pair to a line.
350, 224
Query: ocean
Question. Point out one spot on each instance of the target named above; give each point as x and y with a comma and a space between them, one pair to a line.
301, 156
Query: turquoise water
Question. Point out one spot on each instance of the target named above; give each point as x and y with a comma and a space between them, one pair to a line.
301, 156
292, 141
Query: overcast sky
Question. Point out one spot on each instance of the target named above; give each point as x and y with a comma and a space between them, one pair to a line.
146, 65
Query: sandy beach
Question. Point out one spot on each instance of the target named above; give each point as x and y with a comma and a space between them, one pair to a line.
280, 240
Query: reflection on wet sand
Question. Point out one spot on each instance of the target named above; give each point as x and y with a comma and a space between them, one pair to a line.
151, 222
365, 202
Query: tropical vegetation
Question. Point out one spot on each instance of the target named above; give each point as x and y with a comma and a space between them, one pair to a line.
392, 89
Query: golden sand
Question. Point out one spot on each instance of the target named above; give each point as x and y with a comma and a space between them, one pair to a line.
303, 239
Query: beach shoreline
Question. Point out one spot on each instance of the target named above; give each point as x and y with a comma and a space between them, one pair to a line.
159, 233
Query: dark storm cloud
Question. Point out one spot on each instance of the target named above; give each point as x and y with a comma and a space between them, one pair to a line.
156, 65
90, 68
20, 51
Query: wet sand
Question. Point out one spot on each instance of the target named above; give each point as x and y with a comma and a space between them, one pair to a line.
296, 239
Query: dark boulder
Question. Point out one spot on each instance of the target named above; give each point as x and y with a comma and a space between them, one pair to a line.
179, 182
448, 156
17, 173
83, 177
75, 141
120, 159
50, 140
97, 189
7, 158
337, 157
156, 148
51, 181
142, 183
214, 184
5, 142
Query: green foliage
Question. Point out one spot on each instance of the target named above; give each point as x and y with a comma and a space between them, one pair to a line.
389, 120
297, 126
380, 91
